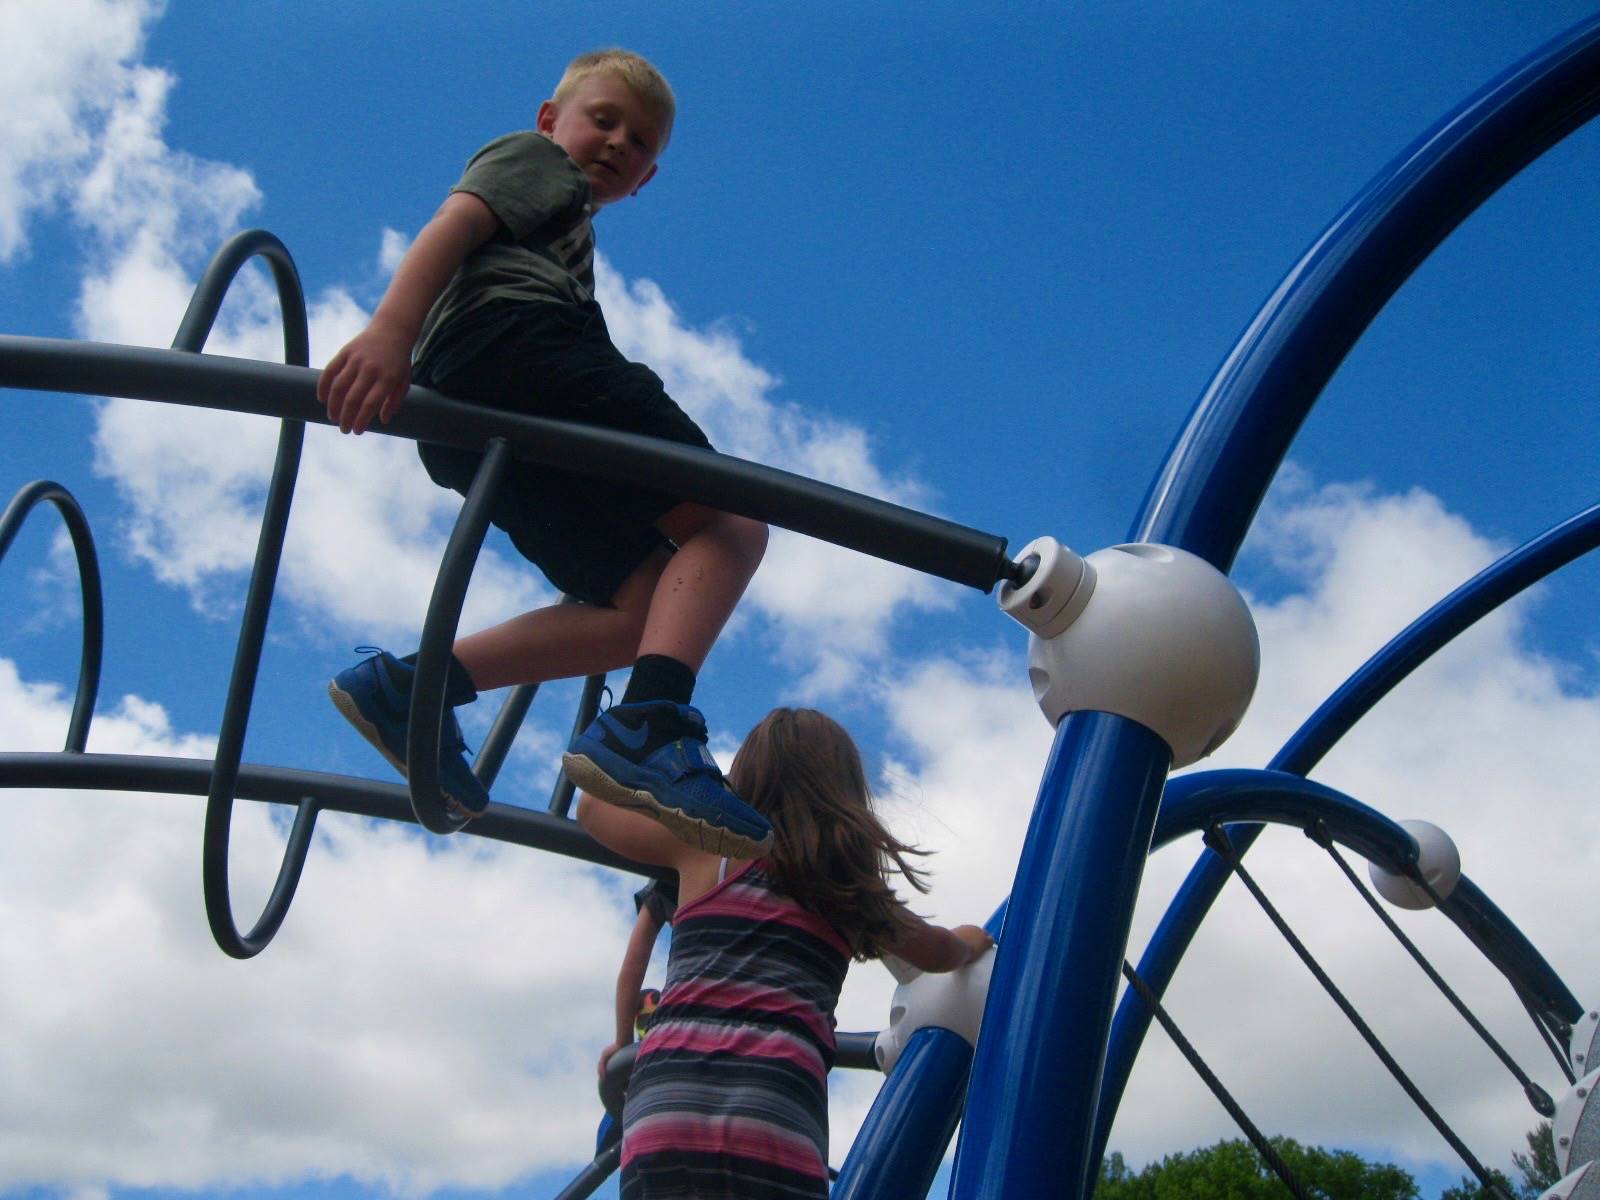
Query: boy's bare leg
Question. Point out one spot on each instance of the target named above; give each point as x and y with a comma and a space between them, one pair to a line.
564, 640
648, 753
718, 553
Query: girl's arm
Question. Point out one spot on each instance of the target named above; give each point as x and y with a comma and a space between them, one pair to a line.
934, 948
630, 977
370, 376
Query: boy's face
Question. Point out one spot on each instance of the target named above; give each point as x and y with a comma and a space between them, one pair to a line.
609, 131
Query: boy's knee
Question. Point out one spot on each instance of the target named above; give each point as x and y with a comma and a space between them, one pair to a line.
750, 535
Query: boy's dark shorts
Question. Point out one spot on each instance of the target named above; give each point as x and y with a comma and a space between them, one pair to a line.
557, 360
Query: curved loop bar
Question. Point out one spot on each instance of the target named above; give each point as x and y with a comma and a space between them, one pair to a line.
832, 514
283, 888
209, 293
439, 635
25, 501
192, 334
241, 693
588, 706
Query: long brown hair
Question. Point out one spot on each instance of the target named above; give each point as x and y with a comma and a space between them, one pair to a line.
830, 854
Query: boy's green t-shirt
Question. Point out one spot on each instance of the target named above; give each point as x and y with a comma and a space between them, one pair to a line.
544, 254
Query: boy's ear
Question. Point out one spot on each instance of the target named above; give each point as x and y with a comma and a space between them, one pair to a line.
545, 122
648, 176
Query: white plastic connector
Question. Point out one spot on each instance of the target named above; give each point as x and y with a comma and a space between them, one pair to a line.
1584, 1042
1054, 594
1575, 1128
1582, 1184
1437, 858
950, 1000
1158, 635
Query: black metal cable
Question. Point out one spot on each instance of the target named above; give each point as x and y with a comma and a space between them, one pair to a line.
1543, 1020
1537, 1096
1218, 841
1543, 1027
1257, 1138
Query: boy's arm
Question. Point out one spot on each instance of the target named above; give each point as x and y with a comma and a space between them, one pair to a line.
934, 948
630, 978
370, 376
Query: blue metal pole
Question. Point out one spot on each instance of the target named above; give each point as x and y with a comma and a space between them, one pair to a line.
1223, 460
915, 1113
1243, 423
1375, 679
898, 1150
1031, 1105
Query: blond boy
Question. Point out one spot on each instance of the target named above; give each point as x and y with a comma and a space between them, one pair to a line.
493, 304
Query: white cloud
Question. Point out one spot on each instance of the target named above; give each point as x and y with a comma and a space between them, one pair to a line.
64, 67
385, 917
1487, 741
368, 526
413, 1023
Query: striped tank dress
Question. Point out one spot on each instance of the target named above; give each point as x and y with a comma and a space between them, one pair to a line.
728, 1097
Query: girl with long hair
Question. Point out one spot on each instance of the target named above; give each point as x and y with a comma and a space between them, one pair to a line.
728, 1097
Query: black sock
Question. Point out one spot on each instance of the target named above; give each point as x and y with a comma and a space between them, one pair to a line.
657, 677
458, 686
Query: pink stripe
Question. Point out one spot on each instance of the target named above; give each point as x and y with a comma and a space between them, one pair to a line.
717, 901
758, 904
745, 1042
742, 998
742, 1136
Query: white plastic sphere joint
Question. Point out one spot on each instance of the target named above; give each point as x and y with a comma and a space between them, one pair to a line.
1151, 633
1437, 859
1051, 598
951, 1000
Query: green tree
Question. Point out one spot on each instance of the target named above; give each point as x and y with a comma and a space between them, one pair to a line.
1538, 1165
1470, 1189
1537, 1168
1232, 1170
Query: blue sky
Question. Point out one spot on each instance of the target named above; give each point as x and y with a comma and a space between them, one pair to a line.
978, 262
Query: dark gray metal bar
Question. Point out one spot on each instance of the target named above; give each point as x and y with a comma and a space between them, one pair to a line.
439, 635
833, 514
497, 742
286, 785
588, 707
592, 1176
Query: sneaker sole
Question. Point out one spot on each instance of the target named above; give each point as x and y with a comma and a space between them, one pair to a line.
350, 711
713, 839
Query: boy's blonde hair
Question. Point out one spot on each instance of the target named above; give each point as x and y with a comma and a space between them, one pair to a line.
634, 70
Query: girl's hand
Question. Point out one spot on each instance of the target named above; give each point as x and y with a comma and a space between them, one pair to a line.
605, 1055
977, 940
368, 378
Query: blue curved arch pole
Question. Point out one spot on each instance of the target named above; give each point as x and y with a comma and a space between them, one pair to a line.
1488, 929
1032, 1105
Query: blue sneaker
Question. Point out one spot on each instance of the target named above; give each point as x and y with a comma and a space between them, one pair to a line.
652, 758
367, 696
